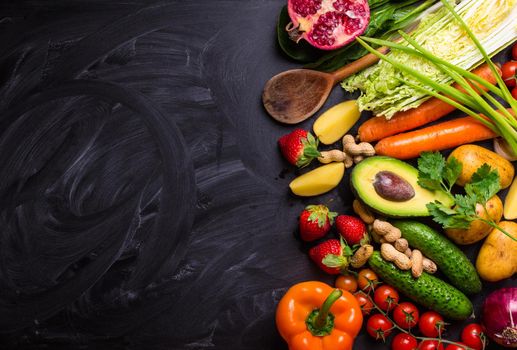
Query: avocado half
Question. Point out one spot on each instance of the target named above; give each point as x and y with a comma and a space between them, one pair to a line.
363, 177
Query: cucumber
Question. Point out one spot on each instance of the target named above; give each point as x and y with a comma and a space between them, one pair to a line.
426, 290
448, 257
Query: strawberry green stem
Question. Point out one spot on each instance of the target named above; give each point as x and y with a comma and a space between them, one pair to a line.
310, 151
320, 322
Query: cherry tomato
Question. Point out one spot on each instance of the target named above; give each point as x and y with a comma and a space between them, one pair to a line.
346, 282
514, 51
366, 279
406, 315
364, 302
403, 341
379, 327
386, 297
514, 93
508, 73
455, 346
472, 335
431, 324
430, 345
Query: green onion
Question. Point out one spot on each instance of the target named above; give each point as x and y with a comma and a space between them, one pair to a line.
493, 22
472, 100
440, 63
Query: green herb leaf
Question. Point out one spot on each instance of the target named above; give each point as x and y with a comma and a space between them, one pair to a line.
430, 168
435, 173
452, 171
447, 217
480, 173
484, 184
465, 205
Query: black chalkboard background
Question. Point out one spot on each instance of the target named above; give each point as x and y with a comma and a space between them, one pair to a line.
144, 204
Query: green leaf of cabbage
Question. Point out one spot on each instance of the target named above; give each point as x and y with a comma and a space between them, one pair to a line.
382, 91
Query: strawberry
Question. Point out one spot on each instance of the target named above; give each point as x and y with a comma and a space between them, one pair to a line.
332, 256
315, 222
352, 229
299, 147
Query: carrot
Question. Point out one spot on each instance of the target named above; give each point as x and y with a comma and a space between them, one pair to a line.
433, 109
436, 137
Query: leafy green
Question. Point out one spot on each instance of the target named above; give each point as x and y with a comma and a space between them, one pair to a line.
435, 173
392, 85
452, 172
464, 211
448, 217
484, 184
466, 204
430, 166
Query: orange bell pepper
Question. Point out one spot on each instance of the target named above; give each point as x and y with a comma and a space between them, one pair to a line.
314, 316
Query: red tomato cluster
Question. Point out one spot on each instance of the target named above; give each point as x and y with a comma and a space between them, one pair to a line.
472, 335
509, 73
406, 315
372, 295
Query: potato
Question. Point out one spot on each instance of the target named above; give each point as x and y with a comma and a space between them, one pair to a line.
510, 202
478, 229
472, 157
319, 180
497, 258
336, 121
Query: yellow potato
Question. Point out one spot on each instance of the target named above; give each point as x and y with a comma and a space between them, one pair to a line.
478, 229
473, 156
319, 180
336, 121
497, 258
510, 203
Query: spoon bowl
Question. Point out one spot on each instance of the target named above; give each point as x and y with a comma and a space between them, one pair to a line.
292, 96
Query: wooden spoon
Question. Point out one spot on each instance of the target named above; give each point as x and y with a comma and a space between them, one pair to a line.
294, 95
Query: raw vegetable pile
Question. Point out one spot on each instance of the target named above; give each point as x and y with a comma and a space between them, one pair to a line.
383, 89
400, 277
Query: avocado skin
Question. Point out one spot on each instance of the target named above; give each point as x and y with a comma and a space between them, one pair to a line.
427, 290
451, 261
368, 198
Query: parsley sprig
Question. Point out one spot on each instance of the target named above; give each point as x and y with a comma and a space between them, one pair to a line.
435, 173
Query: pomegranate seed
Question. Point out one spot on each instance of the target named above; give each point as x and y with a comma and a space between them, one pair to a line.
306, 7
332, 27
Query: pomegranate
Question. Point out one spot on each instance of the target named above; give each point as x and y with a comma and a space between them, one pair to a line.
327, 24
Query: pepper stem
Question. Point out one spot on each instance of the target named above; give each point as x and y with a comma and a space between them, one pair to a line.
320, 322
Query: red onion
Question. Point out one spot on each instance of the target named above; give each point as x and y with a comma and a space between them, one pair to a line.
501, 147
500, 317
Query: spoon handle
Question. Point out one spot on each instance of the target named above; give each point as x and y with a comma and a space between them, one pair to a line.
356, 66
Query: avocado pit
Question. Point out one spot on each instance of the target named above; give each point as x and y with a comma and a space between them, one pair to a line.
362, 180
392, 187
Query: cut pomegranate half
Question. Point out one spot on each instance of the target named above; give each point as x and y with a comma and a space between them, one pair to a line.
327, 24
